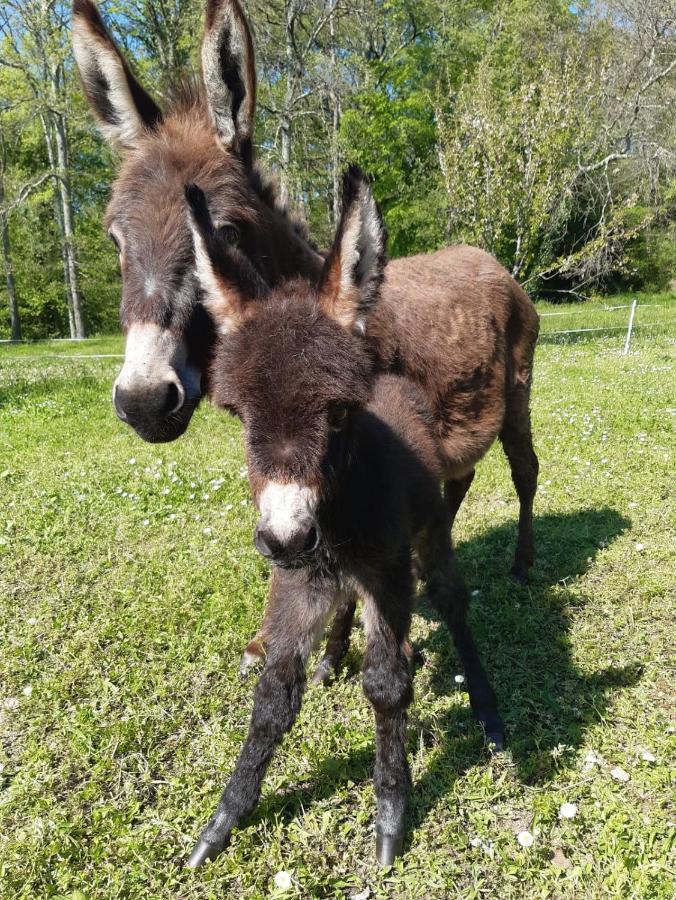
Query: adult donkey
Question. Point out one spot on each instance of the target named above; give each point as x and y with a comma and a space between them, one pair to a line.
455, 321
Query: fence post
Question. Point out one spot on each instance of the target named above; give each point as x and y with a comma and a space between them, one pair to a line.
629, 328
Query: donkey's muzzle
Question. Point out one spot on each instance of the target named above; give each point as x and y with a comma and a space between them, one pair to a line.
158, 412
291, 552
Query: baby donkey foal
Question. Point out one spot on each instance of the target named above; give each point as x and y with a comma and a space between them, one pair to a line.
345, 472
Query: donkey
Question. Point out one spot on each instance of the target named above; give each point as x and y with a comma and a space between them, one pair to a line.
454, 321
345, 468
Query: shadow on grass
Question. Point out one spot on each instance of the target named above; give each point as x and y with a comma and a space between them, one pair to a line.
523, 636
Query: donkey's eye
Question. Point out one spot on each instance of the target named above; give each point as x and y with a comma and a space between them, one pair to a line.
338, 417
230, 234
115, 241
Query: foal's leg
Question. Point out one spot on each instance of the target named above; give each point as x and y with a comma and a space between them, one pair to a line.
336, 647
517, 442
455, 490
388, 686
339, 639
447, 593
298, 615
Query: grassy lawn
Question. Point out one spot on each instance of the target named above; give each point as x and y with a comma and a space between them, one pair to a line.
129, 586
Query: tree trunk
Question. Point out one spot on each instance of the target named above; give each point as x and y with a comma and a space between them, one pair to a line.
15, 321
285, 124
335, 126
68, 230
49, 144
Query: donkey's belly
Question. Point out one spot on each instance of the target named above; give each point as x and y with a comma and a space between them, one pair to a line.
468, 422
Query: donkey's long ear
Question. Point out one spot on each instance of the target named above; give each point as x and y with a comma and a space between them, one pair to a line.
228, 279
228, 69
354, 269
122, 107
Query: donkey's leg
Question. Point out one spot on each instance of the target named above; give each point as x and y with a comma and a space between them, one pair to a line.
388, 686
297, 618
448, 594
455, 490
336, 646
339, 639
517, 441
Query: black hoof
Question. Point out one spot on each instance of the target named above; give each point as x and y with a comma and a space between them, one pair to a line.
388, 848
495, 741
203, 851
519, 576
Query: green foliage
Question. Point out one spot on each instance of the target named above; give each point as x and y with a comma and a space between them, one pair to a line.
485, 122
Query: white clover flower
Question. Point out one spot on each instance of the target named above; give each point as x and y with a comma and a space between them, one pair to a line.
568, 811
132, 461
32, 621
639, 547
146, 521
28, 690
525, 838
206, 531
283, 881
459, 679
647, 756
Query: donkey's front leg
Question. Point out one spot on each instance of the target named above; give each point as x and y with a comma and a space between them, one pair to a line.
388, 686
298, 616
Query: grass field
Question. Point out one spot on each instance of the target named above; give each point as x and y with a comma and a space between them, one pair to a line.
129, 586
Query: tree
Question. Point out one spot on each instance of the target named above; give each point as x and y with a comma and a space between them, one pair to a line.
37, 44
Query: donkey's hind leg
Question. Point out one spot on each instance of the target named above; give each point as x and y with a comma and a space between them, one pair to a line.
455, 490
336, 646
446, 591
339, 640
517, 441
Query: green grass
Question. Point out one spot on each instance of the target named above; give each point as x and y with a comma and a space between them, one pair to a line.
129, 586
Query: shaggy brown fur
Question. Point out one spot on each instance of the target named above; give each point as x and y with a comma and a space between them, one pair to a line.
454, 321
297, 366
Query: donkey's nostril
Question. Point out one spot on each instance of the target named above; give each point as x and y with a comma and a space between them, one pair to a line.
311, 540
266, 544
175, 397
117, 406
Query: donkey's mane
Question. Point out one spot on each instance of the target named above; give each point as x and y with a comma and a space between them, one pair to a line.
187, 97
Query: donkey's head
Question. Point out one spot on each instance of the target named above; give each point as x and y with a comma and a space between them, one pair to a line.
205, 136
294, 364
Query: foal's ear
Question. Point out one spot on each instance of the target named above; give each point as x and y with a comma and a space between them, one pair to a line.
354, 269
122, 107
228, 279
228, 69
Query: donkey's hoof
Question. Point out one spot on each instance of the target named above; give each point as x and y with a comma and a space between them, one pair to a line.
495, 741
519, 575
388, 847
203, 851
323, 672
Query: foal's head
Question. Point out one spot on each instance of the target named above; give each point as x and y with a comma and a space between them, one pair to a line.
204, 136
294, 365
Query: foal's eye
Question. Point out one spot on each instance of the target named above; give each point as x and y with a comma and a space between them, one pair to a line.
230, 234
338, 417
